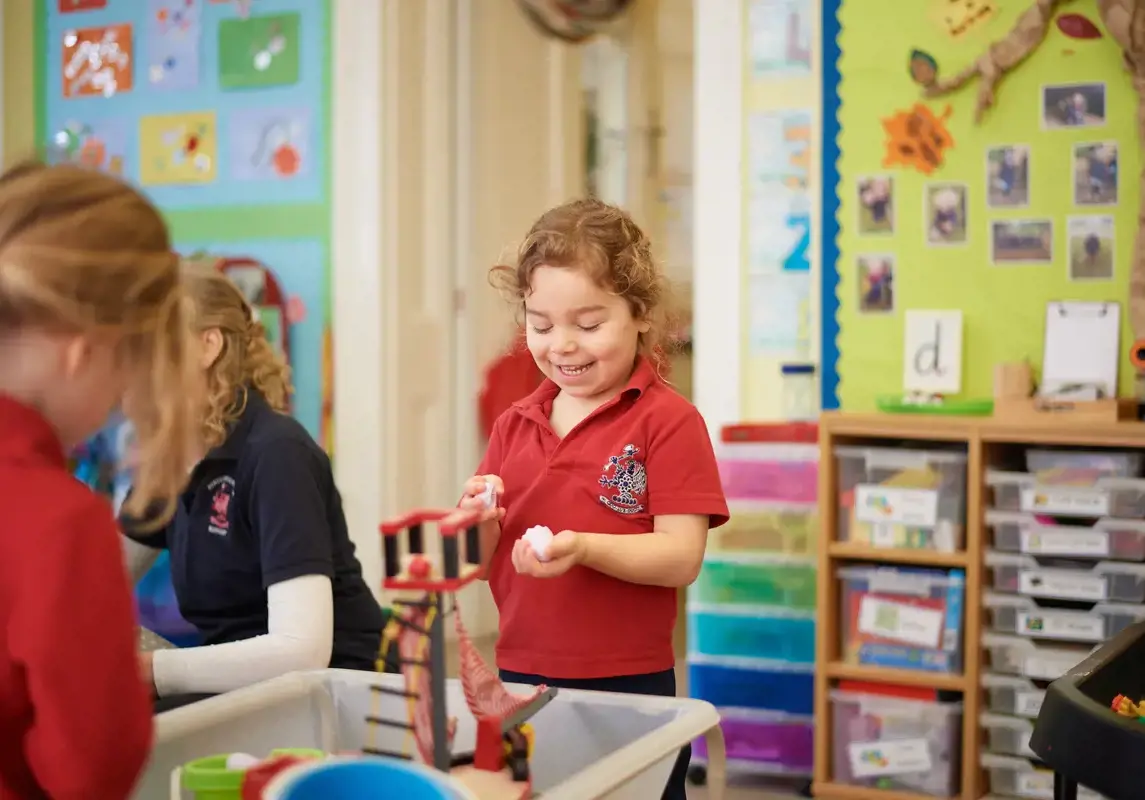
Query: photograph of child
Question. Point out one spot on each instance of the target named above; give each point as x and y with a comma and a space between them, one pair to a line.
1095, 174
945, 213
1022, 241
1008, 176
876, 283
876, 196
1090, 248
1075, 105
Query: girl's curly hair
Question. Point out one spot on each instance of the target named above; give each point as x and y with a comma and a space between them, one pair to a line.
246, 360
602, 239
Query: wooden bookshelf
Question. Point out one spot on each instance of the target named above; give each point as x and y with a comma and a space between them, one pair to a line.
982, 437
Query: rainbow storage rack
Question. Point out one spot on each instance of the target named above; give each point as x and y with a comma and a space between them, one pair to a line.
751, 612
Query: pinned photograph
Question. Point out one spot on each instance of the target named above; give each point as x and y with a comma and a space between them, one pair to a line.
1073, 105
1090, 248
1095, 174
944, 213
876, 196
1021, 241
1008, 176
876, 283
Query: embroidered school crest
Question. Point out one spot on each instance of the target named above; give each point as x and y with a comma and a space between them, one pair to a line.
625, 475
220, 520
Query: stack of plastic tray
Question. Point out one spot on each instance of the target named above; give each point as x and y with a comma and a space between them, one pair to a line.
886, 737
1065, 572
751, 612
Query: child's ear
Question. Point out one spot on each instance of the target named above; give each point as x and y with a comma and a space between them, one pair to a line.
643, 326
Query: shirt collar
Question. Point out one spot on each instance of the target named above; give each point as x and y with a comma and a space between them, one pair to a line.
26, 437
540, 402
239, 430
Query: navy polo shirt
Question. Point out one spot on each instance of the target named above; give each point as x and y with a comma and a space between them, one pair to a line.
260, 509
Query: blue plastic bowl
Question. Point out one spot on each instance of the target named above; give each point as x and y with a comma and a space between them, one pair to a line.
369, 778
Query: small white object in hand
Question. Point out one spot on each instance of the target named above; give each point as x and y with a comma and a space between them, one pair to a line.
539, 538
237, 761
489, 496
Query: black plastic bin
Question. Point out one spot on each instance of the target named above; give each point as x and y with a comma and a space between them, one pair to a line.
1080, 736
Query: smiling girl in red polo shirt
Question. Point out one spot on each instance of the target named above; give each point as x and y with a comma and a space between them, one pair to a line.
606, 454
92, 313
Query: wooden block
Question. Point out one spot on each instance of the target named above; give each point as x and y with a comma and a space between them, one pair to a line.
1038, 410
1015, 379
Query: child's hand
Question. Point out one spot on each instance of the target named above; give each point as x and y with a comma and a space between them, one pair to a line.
474, 494
565, 551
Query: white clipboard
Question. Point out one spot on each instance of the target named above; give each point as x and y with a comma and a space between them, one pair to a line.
1082, 346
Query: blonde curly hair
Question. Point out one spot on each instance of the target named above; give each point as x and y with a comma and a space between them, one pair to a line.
246, 360
603, 240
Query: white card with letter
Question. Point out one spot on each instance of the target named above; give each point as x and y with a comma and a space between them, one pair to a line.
932, 352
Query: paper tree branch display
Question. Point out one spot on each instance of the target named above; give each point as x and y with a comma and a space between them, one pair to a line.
1124, 21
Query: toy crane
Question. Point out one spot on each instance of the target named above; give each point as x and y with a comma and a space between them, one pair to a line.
499, 767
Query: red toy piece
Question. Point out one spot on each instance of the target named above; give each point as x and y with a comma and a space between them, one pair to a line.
419, 568
258, 777
490, 753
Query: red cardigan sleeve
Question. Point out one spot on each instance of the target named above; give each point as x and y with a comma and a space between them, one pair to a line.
74, 632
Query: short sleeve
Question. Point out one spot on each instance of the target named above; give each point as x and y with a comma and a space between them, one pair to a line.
138, 530
681, 468
289, 485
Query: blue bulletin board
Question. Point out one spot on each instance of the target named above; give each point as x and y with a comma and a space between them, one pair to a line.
220, 112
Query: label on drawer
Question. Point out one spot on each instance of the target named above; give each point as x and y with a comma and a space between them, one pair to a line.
1061, 625
875, 504
902, 757
1035, 783
1079, 542
900, 622
1028, 704
1061, 584
1048, 667
1066, 500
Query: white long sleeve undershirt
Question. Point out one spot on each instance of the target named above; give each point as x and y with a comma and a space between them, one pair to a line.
300, 636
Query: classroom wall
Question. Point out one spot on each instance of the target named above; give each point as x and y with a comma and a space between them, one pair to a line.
18, 127
1002, 292
210, 96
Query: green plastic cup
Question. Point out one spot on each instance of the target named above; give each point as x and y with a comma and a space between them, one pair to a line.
210, 779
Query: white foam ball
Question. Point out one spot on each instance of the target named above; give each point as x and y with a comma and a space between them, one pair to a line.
539, 537
237, 761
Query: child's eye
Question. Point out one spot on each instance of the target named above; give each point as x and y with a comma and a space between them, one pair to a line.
589, 328
542, 330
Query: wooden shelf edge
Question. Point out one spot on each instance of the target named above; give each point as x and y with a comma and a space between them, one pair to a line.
902, 677
851, 551
841, 791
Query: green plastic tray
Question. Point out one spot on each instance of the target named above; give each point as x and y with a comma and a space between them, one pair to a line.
970, 408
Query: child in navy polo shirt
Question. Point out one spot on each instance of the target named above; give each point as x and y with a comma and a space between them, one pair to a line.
261, 560
92, 316
606, 454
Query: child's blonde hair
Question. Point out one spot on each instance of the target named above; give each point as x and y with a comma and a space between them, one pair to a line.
82, 252
246, 360
603, 240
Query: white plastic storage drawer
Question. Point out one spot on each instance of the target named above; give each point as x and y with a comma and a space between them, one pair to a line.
1007, 736
1090, 582
1015, 655
1099, 497
902, 498
1114, 463
1017, 777
1023, 616
1117, 539
1009, 694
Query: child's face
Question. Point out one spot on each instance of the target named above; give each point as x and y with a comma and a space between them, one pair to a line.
582, 337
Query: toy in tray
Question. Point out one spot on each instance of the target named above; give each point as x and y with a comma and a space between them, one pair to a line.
239, 776
866, 503
1127, 708
426, 587
903, 618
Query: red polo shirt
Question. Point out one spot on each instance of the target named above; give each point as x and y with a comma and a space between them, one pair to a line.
75, 716
643, 454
